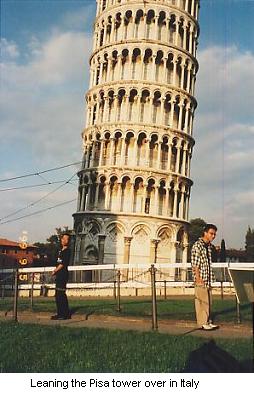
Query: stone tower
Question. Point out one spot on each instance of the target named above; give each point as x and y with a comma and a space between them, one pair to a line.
134, 183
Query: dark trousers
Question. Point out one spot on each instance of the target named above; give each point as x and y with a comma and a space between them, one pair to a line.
62, 305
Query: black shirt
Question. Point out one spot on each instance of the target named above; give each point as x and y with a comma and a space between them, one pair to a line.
64, 259
209, 264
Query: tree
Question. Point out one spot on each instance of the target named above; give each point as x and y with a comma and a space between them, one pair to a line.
249, 245
223, 251
196, 230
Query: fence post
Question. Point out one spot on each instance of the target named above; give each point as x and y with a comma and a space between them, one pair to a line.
16, 293
118, 290
154, 304
221, 290
3, 287
32, 292
114, 290
238, 311
165, 290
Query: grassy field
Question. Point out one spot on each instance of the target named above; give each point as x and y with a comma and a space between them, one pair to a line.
33, 348
172, 308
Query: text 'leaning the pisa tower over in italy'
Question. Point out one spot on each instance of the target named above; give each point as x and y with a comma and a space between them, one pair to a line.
134, 183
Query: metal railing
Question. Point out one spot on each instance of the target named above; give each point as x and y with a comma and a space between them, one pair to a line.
115, 276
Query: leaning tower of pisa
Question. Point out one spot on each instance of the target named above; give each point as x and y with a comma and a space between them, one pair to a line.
134, 183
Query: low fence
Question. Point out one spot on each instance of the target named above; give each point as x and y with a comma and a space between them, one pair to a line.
105, 276
114, 278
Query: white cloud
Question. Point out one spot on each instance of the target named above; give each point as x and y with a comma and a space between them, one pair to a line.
237, 205
225, 82
42, 115
224, 125
41, 225
9, 49
42, 100
61, 59
56, 61
78, 19
223, 161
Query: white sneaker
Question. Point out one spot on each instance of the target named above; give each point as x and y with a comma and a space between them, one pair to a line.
207, 326
213, 326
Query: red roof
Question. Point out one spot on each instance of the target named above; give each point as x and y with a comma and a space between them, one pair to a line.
7, 242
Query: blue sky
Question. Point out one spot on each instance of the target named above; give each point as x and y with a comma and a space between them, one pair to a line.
44, 59
227, 22
221, 21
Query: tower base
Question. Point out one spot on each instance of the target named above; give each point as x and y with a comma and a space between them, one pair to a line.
117, 238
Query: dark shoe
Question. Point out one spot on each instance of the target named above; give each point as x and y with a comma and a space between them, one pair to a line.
62, 318
54, 317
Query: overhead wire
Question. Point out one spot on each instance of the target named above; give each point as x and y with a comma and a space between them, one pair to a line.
37, 201
39, 172
43, 178
38, 211
32, 186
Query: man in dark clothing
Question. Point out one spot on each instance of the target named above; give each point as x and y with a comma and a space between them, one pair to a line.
61, 274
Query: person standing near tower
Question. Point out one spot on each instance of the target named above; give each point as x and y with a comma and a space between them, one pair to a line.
201, 260
61, 274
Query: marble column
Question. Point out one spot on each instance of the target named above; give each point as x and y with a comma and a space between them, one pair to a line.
184, 261
166, 204
153, 250
175, 202
107, 195
159, 155
82, 248
101, 248
127, 245
178, 149
82, 206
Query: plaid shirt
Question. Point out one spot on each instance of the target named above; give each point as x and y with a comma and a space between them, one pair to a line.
200, 260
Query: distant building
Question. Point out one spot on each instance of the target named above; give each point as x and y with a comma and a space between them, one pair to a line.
232, 255
11, 253
236, 256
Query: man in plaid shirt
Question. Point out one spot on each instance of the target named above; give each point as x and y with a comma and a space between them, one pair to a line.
201, 260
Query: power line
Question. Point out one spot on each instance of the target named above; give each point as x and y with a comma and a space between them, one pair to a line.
39, 200
39, 172
32, 186
43, 178
39, 211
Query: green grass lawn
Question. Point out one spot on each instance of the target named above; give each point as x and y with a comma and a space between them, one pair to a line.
173, 308
35, 348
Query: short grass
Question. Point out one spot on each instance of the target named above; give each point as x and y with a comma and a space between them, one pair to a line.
35, 348
173, 308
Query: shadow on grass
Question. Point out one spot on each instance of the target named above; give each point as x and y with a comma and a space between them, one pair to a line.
138, 307
248, 365
110, 308
232, 310
209, 358
75, 310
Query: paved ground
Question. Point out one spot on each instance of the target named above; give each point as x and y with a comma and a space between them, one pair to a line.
226, 330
